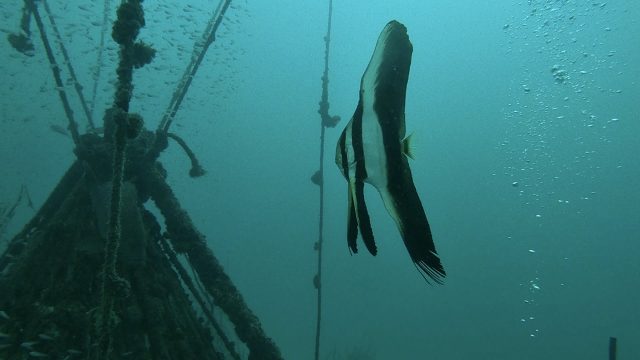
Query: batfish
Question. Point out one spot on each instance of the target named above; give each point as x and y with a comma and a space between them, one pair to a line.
373, 149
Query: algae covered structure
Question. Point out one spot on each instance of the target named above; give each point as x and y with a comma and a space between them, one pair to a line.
94, 274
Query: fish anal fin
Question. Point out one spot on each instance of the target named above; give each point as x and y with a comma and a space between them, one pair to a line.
364, 223
352, 222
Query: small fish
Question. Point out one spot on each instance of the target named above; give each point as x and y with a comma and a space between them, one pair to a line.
58, 129
4, 315
28, 344
373, 149
45, 337
38, 354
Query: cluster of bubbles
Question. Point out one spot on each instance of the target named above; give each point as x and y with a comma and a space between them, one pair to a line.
555, 118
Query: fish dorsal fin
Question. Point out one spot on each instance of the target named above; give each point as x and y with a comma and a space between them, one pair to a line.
408, 147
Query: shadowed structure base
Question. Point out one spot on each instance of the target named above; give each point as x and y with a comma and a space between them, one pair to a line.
50, 273
49, 288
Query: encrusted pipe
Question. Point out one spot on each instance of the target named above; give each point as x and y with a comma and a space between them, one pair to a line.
186, 239
55, 69
110, 277
196, 168
188, 282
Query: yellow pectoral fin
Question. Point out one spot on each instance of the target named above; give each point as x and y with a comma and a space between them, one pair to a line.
408, 147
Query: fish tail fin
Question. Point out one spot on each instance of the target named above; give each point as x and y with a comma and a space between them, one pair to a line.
407, 211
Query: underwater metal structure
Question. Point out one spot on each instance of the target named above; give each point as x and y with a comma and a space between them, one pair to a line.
93, 275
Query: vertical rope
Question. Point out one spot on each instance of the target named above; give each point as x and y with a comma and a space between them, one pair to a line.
318, 279
326, 120
109, 273
125, 31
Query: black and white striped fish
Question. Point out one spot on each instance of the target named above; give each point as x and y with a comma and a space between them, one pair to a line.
373, 149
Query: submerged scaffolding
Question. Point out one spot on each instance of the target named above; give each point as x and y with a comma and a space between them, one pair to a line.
92, 275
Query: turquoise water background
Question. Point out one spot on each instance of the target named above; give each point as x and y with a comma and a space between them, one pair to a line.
530, 178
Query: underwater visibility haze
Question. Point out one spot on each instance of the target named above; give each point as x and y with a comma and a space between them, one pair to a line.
525, 125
